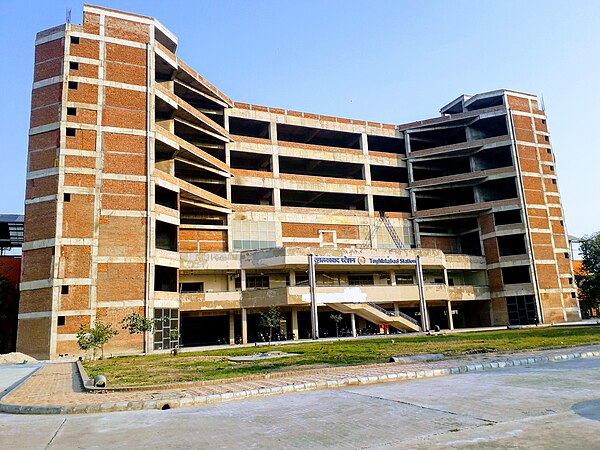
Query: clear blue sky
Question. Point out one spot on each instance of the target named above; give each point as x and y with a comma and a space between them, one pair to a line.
391, 61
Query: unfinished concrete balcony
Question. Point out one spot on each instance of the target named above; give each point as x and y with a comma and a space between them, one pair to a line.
210, 301
459, 135
468, 293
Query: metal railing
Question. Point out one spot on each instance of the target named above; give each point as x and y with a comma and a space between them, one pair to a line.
393, 313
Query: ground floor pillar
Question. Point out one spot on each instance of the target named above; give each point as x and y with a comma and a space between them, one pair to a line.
353, 324
244, 327
231, 328
295, 323
450, 319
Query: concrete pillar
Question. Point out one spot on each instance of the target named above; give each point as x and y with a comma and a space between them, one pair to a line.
231, 328
392, 278
292, 278
244, 327
295, 323
243, 279
353, 324
396, 310
450, 319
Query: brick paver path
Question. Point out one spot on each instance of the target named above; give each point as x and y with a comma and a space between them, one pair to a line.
59, 384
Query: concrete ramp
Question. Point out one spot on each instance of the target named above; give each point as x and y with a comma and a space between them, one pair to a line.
376, 314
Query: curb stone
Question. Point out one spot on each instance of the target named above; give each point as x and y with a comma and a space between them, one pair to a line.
179, 402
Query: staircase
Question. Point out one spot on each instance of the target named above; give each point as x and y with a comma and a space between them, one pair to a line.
391, 230
368, 242
376, 314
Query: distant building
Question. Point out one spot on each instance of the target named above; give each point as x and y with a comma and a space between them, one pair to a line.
11, 240
150, 191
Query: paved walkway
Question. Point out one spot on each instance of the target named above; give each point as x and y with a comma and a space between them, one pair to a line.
57, 388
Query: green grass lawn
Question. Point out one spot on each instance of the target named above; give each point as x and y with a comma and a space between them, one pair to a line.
210, 365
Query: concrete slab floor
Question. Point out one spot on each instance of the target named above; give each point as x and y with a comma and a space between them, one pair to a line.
553, 405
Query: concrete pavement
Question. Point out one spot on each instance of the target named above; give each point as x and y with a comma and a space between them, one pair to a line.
552, 405
57, 388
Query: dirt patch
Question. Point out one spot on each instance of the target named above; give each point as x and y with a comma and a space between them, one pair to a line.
16, 358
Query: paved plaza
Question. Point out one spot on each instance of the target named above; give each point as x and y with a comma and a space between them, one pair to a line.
550, 405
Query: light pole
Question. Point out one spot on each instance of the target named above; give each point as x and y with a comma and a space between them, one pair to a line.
422, 302
312, 283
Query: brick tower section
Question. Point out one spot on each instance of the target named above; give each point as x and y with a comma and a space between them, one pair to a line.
552, 268
86, 227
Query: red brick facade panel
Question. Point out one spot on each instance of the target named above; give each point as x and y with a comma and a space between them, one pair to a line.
538, 222
42, 187
527, 152
82, 115
48, 69
547, 276
80, 161
33, 337
78, 216
49, 50
524, 135
121, 282
495, 279
124, 202
202, 240
124, 118
122, 236
125, 99
85, 71
40, 221
79, 180
124, 164
486, 223
522, 122
446, 244
541, 238
530, 165
83, 140
123, 187
533, 183
72, 324
518, 103
543, 252
87, 48
50, 139
535, 198
42, 159
126, 73
37, 264
123, 342
127, 29
45, 115
37, 300
490, 248
46, 95
539, 125
77, 298
75, 261
128, 143
85, 93
125, 54
311, 230
91, 23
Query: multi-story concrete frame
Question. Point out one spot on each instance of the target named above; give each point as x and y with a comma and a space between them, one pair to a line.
150, 191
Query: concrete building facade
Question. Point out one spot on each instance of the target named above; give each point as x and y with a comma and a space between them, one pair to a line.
150, 191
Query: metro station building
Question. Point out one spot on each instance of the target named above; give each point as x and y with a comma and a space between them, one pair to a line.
150, 191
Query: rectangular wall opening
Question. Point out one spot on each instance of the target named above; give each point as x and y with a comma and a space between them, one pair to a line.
513, 244
391, 204
426, 139
507, 217
502, 189
165, 279
166, 197
493, 158
516, 275
166, 236
329, 200
252, 195
317, 136
249, 127
386, 144
388, 173
488, 128
320, 168
250, 161
521, 310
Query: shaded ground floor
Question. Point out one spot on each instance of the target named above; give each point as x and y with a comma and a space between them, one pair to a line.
199, 328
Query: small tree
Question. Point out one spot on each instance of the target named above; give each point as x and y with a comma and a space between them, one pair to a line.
271, 319
135, 323
337, 318
95, 337
589, 281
